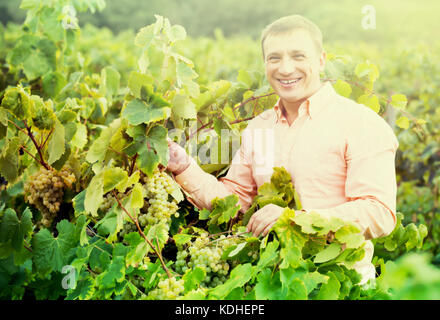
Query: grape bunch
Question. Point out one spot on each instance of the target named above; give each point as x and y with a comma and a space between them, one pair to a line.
167, 289
206, 254
161, 205
45, 190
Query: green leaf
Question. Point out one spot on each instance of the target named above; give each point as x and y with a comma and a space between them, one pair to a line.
9, 160
329, 253
367, 69
137, 81
13, 229
268, 287
342, 88
181, 238
177, 33
137, 112
402, 122
99, 147
268, 256
110, 79
350, 235
78, 203
329, 290
51, 254
144, 36
53, 82
224, 209
193, 278
288, 233
37, 56
113, 275
94, 194
237, 249
240, 275
112, 223
139, 248
158, 234
56, 145
183, 107
84, 290
79, 139
18, 101
113, 178
370, 101
399, 101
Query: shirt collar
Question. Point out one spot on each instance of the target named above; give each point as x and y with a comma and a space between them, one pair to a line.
312, 106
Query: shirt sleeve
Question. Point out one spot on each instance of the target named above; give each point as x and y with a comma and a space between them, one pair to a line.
202, 187
371, 178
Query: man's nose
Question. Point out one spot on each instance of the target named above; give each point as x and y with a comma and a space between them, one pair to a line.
287, 66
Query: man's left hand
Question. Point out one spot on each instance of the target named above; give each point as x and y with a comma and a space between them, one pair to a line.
263, 220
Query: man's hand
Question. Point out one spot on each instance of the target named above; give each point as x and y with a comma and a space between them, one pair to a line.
263, 220
179, 159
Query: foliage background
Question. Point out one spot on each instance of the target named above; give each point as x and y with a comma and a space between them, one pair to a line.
223, 39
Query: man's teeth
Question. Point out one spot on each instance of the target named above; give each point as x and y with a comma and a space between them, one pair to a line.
289, 81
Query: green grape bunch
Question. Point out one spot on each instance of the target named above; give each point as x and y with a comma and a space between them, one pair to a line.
167, 289
207, 255
45, 190
161, 205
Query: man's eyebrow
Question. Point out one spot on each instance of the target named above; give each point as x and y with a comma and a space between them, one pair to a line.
290, 52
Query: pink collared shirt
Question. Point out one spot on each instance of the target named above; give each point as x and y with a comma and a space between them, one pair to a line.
340, 154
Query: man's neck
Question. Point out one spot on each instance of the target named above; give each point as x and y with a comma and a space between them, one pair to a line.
290, 109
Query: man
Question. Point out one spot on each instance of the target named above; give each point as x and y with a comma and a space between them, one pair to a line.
339, 153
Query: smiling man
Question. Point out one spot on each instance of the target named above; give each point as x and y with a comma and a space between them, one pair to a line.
339, 153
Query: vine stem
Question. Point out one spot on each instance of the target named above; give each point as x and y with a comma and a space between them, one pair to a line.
31, 135
44, 143
25, 150
233, 109
135, 221
133, 162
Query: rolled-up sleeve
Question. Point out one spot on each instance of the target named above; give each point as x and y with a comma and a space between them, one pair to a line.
203, 187
371, 177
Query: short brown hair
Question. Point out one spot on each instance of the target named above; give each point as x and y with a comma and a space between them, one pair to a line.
290, 23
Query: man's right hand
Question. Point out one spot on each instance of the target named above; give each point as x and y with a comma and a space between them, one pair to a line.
179, 159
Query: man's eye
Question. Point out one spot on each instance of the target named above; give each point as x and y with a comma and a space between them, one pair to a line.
299, 56
273, 58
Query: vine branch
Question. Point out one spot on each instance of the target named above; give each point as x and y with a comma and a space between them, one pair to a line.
135, 221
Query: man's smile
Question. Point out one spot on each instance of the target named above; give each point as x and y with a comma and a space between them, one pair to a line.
288, 83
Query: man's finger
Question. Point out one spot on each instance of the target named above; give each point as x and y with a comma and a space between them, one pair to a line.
268, 228
260, 227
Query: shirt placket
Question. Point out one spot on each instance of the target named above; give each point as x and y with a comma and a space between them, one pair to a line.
291, 139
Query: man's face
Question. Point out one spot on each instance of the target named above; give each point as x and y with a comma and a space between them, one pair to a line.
293, 64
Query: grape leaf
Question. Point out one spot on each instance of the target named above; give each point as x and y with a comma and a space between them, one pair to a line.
51, 253
13, 229
329, 253
193, 278
240, 275
115, 273
99, 147
329, 290
84, 290
56, 145
137, 112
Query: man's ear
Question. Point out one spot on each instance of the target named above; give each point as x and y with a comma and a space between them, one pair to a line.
322, 60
